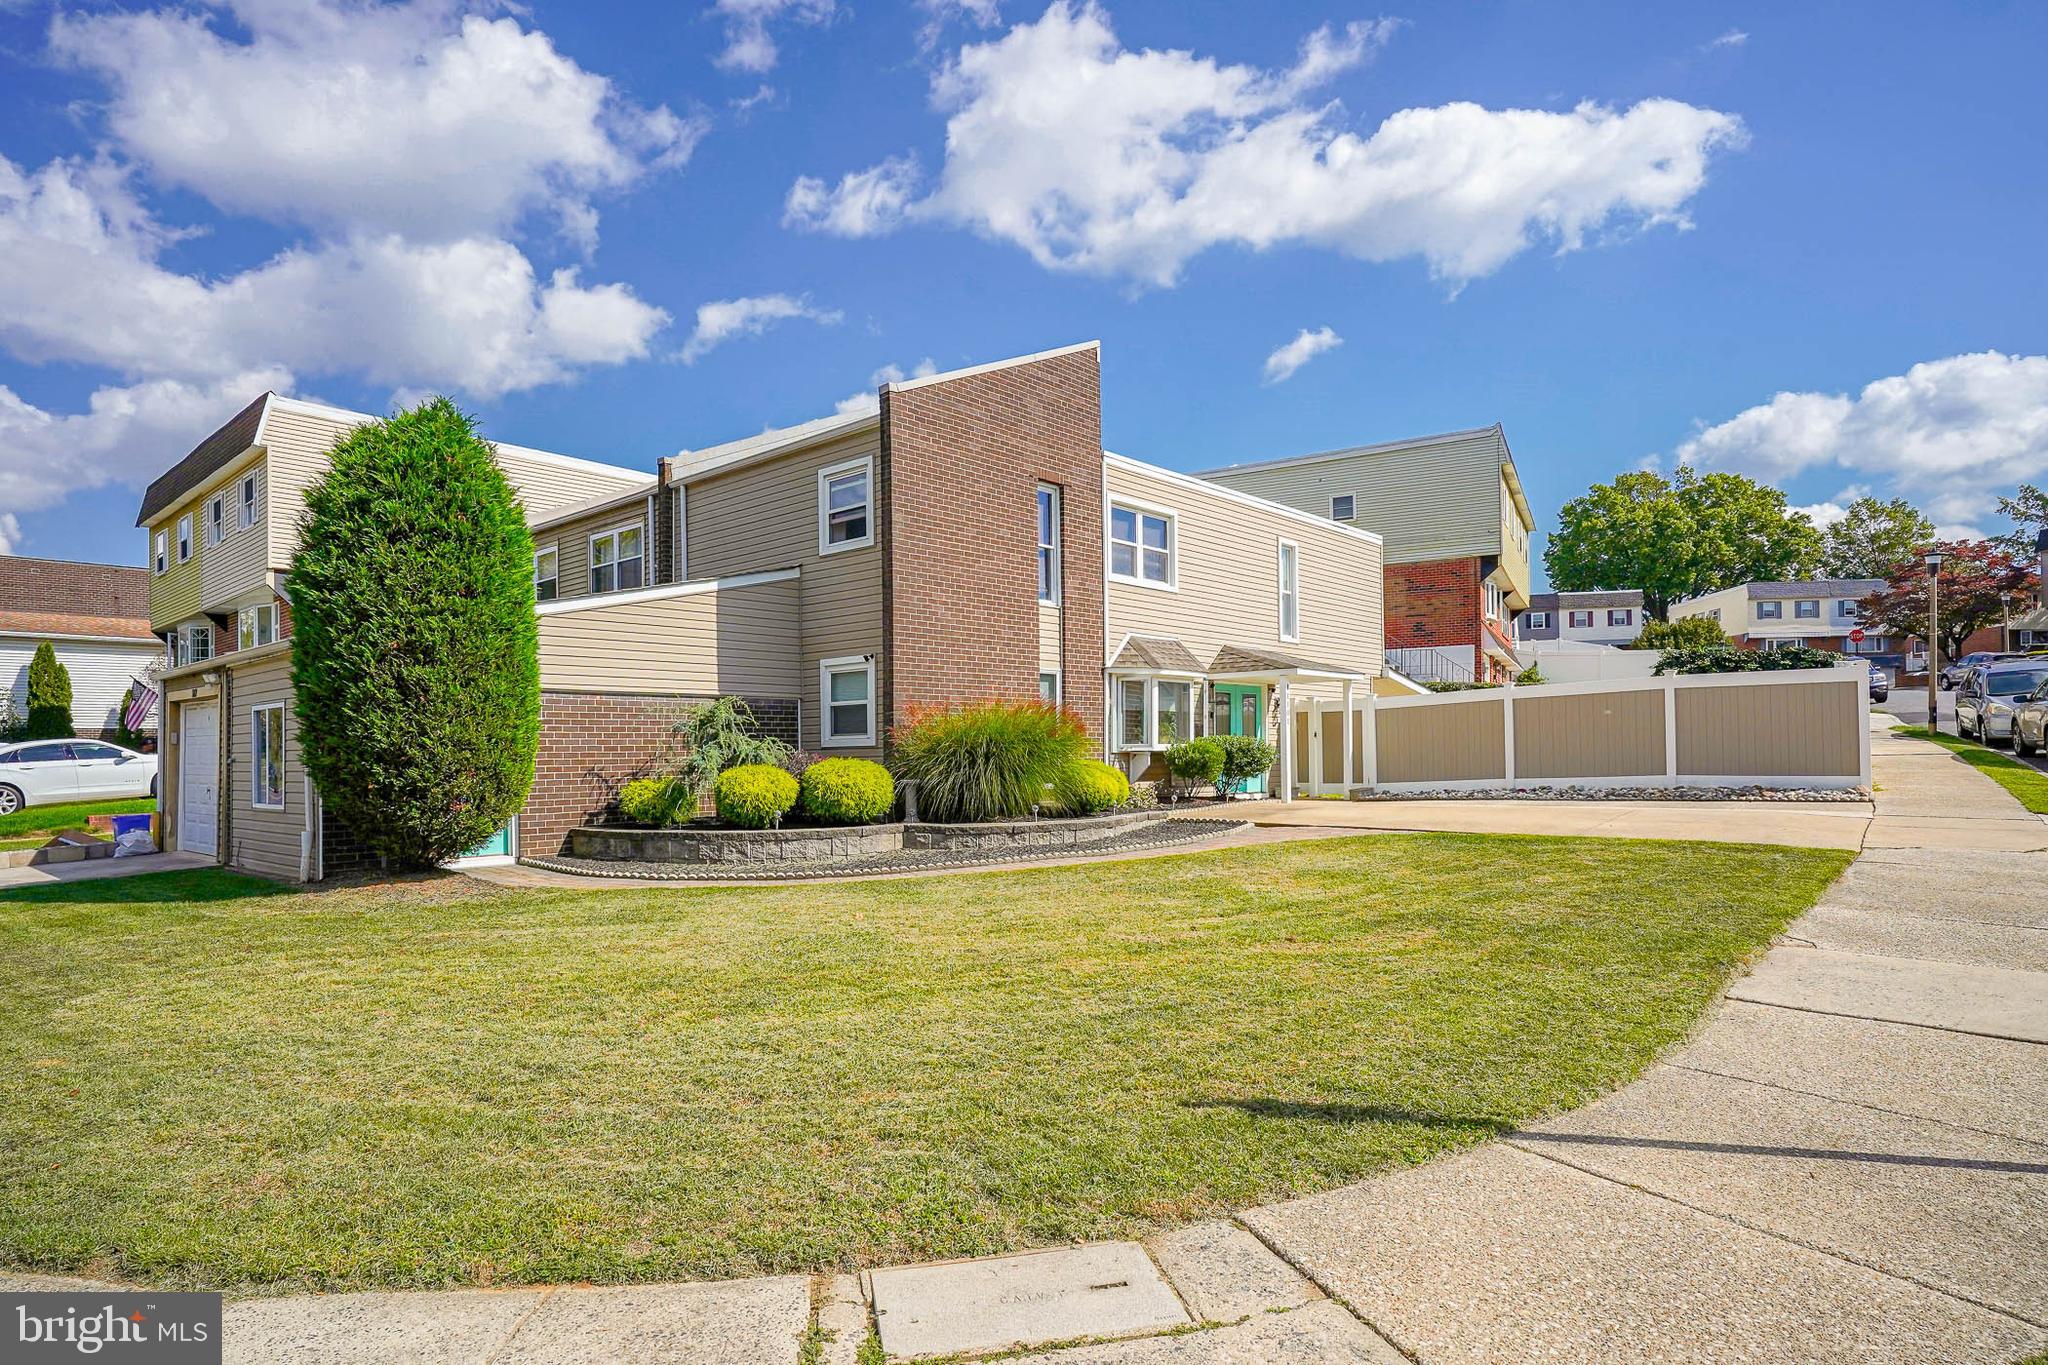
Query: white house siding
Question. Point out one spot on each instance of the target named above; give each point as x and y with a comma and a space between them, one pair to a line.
765, 517
253, 839
100, 674
740, 640
1229, 579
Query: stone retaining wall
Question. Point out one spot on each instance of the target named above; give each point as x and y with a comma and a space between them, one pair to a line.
842, 844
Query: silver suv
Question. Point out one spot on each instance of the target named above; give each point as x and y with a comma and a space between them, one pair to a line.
1989, 695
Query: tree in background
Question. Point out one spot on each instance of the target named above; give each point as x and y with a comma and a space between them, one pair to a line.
416, 667
1688, 632
1873, 538
1678, 537
49, 696
1980, 581
2028, 511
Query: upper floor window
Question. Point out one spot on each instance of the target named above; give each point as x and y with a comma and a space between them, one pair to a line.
1343, 507
256, 625
845, 520
216, 519
1536, 620
1617, 616
1141, 548
1290, 590
547, 575
617, 559
1846, 609
245, 514
1807, 609
1770, 611
1579, 620
184, 537
163, 551
1048, 543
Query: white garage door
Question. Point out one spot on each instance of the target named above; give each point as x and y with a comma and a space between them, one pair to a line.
199, 779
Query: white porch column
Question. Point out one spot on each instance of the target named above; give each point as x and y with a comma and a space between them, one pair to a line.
1285, 706
1348, 769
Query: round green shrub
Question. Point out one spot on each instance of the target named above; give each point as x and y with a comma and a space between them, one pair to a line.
846, 791
1094, 787
754, 795
1245, 757
657, 802
1195, 763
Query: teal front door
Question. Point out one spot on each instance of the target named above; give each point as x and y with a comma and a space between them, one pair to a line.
1236, 709
499, 845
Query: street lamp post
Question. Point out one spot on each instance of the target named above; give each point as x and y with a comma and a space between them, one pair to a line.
1933, 562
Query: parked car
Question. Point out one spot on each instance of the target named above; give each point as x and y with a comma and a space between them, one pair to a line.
1990, 693
47, 772
1952, 676
1880, 683
2030, 723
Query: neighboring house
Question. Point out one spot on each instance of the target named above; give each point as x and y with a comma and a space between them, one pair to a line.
969, 538
2028, 629
1819, 613
1594, 618
223, 528
96, 618
1456, 528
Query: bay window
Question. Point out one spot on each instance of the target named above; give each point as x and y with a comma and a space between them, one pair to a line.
256, 625
1154, 713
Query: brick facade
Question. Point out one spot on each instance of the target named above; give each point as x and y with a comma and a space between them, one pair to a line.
1435, 604
591, 744
961, 463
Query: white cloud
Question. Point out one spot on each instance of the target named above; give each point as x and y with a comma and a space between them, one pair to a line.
749, 46
1734, 37
939, 13
10, 534
720, 322
868, 400
1822, 514
418, 118
1306, 346
1948, 434
1096, 158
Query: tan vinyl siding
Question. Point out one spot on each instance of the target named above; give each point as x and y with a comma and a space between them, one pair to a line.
257, 840
766, 517
240, 564
1771, 730
1464, 742
1048, 638
571, 540
738, 640
1229, 579
549, 485
1436, 501
1600, 734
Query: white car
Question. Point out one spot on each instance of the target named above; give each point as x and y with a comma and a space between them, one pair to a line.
48, 772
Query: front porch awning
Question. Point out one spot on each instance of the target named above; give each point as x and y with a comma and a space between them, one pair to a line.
1237, 663
1155, 654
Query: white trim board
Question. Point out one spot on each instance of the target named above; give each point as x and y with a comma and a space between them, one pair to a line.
593, 601
921, 381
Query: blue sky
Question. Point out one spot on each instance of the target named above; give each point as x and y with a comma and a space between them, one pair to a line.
1798, 241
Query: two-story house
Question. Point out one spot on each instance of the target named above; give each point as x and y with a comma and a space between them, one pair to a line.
1592, 618
1456, 531
1821, 613
968, 538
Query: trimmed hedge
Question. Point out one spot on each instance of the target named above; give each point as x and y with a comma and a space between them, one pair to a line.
846, 791
657, 802
1094, 787
754, 795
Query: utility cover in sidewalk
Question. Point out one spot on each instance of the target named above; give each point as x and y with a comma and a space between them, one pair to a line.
1111, 1289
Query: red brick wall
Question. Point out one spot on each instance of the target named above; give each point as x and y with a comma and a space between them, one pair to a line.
961, 464
591, 745
1435, 603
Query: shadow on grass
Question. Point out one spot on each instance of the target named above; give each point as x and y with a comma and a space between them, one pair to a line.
1301, 1111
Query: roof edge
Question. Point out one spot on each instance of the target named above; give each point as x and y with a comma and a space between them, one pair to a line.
1375, 448
900, 386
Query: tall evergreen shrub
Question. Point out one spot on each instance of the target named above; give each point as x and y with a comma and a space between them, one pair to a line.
49, 695
414, 640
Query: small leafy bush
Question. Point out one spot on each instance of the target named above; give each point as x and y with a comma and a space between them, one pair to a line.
1195, 763
1532, 676
1094, 787
754, 795
1687, 632
657, 802
1244, 758
13, 724
846, 791
991, 760
1730, 659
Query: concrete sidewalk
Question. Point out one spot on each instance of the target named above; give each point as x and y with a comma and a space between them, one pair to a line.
1849, 1162
99, 869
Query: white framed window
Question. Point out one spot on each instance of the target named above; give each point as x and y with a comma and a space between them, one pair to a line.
846, 691
1579, 620
846, 506
1048, 543
1154, 713
1806, 609
163, 551
1617, 616
1290, 590
1173, 712
1049, 688
216, 518
1770, 611
1141, 545
256, 625
1496, 602
618, 559
1131, 714
1846, 609
1537, 620
245, 503
1343, 507
184, 537
266, 756
547, 574
191, 643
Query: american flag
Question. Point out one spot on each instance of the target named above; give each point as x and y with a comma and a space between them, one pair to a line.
143, 703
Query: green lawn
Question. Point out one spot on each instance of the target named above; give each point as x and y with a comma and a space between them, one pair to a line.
212, 1081
2030, 785
72, 815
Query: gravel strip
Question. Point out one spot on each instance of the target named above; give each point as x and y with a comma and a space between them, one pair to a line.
1166, 834
1831, 795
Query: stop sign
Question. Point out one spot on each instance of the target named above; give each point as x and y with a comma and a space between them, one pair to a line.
1856, 636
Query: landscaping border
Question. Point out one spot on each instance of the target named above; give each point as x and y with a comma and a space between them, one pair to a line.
698, 845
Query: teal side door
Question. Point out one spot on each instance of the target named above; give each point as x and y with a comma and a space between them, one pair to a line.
499, 845
1236, 709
